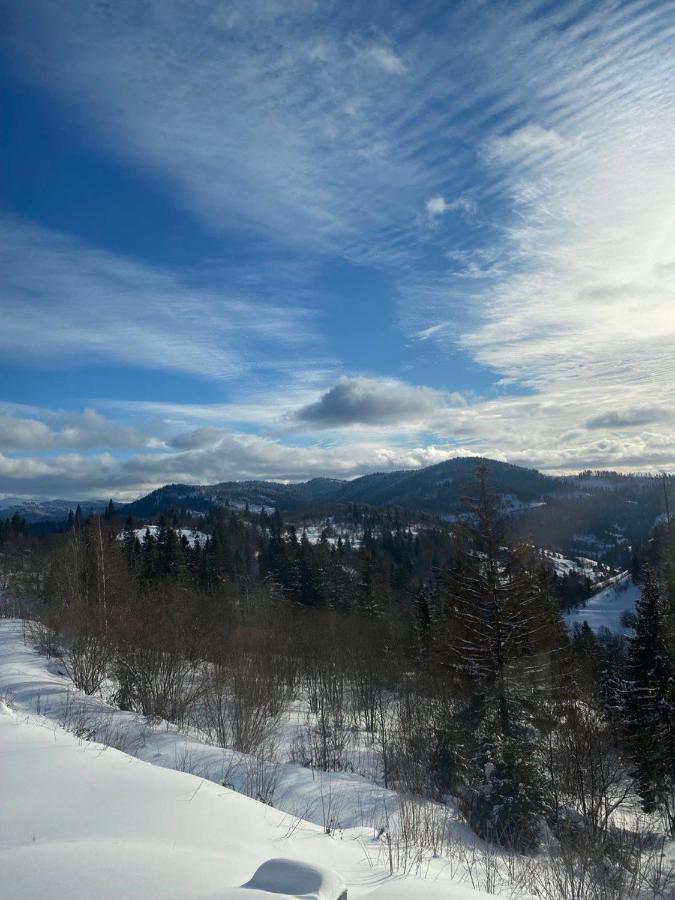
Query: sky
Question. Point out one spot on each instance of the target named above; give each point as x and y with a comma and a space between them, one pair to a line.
295, 238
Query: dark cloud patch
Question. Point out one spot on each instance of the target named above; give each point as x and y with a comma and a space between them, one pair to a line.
368, 401
199, 439
626, 418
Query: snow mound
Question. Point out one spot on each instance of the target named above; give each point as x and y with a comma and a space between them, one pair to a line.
298, 879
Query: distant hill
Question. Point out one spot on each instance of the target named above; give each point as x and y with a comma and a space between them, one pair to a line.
46, 510
439, 489
436, 489
601, 515
595, 514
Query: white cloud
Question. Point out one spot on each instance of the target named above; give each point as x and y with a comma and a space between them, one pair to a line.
300, 135
384, 58
438, 206
261, 129
529, 140
63, 299
232, 456
572, 300
47, 430
389, 427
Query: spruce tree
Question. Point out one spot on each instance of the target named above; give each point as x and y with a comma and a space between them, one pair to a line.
501, 625
650, 700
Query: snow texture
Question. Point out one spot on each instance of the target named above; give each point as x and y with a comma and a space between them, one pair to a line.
79, 818
297, 879
606, 608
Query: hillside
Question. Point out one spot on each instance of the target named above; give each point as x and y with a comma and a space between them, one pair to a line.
46, 510
435, 489
600, 515
108, 806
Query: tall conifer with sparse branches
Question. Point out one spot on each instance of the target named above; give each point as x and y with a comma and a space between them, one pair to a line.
650, 699
500, 629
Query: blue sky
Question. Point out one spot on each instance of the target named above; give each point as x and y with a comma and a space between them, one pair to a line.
288, 238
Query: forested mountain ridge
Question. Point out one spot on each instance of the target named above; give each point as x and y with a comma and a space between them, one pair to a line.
46, 510
598, 514
602, 515
436, 489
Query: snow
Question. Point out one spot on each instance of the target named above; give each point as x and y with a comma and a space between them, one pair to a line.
297, 879
600, 575
425, 890
314, 531
132, 809
112, 817
39, 685
252, 507
86, 821
606, 608
512, 504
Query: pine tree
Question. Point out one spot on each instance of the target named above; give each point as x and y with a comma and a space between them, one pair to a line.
650, 700
501, 625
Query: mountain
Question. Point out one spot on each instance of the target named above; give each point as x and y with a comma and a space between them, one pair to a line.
46, 510
439, 489
601, 515
436, 489
200, 498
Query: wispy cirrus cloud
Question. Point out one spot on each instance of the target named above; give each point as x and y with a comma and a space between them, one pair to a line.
344, 137
438, 206
63, 299
524, 144
253, 114
383, 57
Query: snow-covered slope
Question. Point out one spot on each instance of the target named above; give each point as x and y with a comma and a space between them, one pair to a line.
606, 608
81, 819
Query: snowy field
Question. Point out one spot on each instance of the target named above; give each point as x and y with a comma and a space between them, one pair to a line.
106, 812
605, 609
